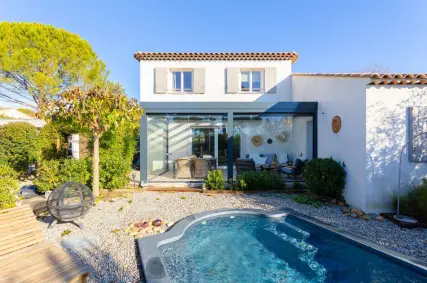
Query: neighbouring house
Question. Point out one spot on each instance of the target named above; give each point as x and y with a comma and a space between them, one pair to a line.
218, 107
10, 115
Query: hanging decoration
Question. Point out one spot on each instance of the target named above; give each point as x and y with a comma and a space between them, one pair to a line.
283, 137
336, 124
257, 141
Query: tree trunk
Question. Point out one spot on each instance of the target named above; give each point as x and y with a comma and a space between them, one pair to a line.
95, 163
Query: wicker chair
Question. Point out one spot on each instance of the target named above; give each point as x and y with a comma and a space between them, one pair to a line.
201, 167
183, 168
244, 165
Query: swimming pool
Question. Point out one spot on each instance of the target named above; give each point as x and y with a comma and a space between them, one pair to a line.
255, 246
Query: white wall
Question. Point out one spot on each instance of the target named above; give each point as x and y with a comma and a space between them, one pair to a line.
386, 133
344, 97
215, 87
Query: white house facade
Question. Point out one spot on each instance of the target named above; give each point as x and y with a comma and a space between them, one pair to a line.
217, 108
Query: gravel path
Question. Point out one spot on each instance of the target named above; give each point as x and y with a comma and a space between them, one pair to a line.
112, 256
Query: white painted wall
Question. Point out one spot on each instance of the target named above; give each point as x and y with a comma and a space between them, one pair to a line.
386, 133
344, 97
215, 87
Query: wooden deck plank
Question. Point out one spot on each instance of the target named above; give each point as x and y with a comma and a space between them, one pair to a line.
25, 256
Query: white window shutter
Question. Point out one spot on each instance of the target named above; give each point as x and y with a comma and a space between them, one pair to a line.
270, 80
161, 80
233, 80
199, 81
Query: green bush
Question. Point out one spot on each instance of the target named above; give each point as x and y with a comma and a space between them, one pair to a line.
114, 170
260, 181
325, 177
307, 199
415, 203
18, 145
116, 154
53, 173
50, 143
8, 186
215, 181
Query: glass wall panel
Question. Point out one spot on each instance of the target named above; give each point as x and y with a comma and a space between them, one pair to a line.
190, 146
272, 140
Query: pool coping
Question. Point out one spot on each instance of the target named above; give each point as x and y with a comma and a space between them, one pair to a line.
155, 271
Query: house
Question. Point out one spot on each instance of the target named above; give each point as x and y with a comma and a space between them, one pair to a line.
224, 106
10, 115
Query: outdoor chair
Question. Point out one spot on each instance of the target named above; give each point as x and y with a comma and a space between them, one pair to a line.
244, 165
25, 255
201, 167
184, 167
295, 170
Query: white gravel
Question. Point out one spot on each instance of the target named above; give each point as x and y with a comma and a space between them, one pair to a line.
112, 256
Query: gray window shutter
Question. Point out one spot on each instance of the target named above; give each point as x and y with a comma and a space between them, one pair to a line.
161, 80
233, 80
270, 80
199, 80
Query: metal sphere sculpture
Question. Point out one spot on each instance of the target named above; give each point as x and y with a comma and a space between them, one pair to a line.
69, 202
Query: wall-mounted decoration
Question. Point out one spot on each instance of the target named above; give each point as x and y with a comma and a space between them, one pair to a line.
283, 137
257, 141
269, 141
336, 124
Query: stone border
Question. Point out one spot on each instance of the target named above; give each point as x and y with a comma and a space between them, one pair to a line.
155, 271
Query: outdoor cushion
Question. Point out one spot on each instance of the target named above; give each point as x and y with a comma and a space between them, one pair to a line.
270, 157
283, 158
260, 160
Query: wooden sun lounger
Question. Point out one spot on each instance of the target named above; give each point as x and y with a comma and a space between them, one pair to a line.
25, 256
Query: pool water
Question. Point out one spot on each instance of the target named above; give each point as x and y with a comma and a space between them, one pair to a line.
261, 249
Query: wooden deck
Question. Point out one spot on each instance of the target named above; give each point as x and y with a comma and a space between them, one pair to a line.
25, 256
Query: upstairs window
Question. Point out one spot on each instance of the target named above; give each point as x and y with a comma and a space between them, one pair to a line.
182, 81
251, 81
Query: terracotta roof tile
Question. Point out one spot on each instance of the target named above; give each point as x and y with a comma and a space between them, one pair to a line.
259, 56
377, 79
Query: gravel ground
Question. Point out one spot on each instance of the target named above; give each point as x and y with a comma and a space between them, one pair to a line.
112, 256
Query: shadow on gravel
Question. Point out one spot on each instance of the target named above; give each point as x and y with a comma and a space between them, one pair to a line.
102, 266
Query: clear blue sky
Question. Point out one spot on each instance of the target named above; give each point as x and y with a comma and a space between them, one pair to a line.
330, 36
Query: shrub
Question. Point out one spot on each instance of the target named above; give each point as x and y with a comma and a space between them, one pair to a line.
50, 143
8, 186
325, 177
114, 170
259, 180
415, 203
18, 145
53, 173
307, 199
116, 154
214, 180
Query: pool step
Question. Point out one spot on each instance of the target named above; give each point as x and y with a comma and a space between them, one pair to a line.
292, 231
286, 251
293, 236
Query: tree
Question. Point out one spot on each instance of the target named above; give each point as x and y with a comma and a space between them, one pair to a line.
37, 62
97, 110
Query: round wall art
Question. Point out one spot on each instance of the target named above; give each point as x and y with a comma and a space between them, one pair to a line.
257, 141
269, 141
336, 124
283, 137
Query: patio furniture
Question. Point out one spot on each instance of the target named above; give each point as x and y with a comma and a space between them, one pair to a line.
244, 165
25, 255
69, 202
295, 170
183, 168
201, 167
